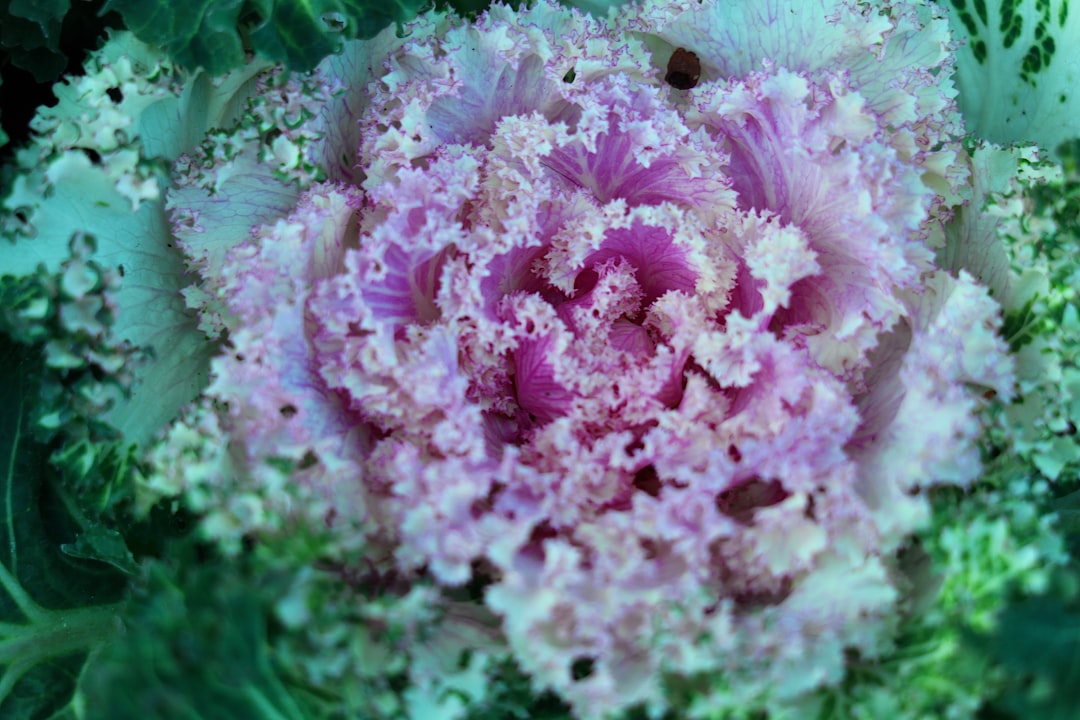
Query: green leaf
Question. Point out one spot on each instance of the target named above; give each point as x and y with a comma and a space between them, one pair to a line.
72, 191
512, 696
300, 33
105, 545
1067, 509
3, 139
48, 14
31, 35
1038, 642
199, 33
197, 647
98, 474
1018, 73
41, 649
213, 34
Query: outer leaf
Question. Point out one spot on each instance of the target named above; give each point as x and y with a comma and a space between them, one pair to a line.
3, 140
202, 33
97, 166
1038, 221
40, 649
1039, 640
31, 34
198, 649
46, 13
300, 33
1018, 72
101, 543
213, 34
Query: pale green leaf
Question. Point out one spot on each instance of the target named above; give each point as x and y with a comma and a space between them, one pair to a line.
1018, 72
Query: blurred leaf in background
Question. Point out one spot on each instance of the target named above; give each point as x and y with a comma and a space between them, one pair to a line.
40, 40
54, 608
216, 34
31, 35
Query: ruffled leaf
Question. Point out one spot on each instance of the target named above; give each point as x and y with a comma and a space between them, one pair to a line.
96, 168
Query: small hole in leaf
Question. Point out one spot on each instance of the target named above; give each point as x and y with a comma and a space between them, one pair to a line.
115, 94
647, 481
585, 282
650, 549
741, 501
569, 76
309, 460
582, 668
288, 410
335, 22
357, 330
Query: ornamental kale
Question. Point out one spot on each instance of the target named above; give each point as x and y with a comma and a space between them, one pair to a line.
659, 368
495, 353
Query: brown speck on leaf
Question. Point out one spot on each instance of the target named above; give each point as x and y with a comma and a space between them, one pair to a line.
683, 70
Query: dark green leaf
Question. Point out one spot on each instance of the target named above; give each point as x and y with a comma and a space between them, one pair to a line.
48, 14
1038, 643
472, 8
41, 648
199, 33
213, 34
99, 475
3, 141
105, 545
33, 518
30, 49
511, 697
300, 33
197, 647
31, 35
1067, 509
